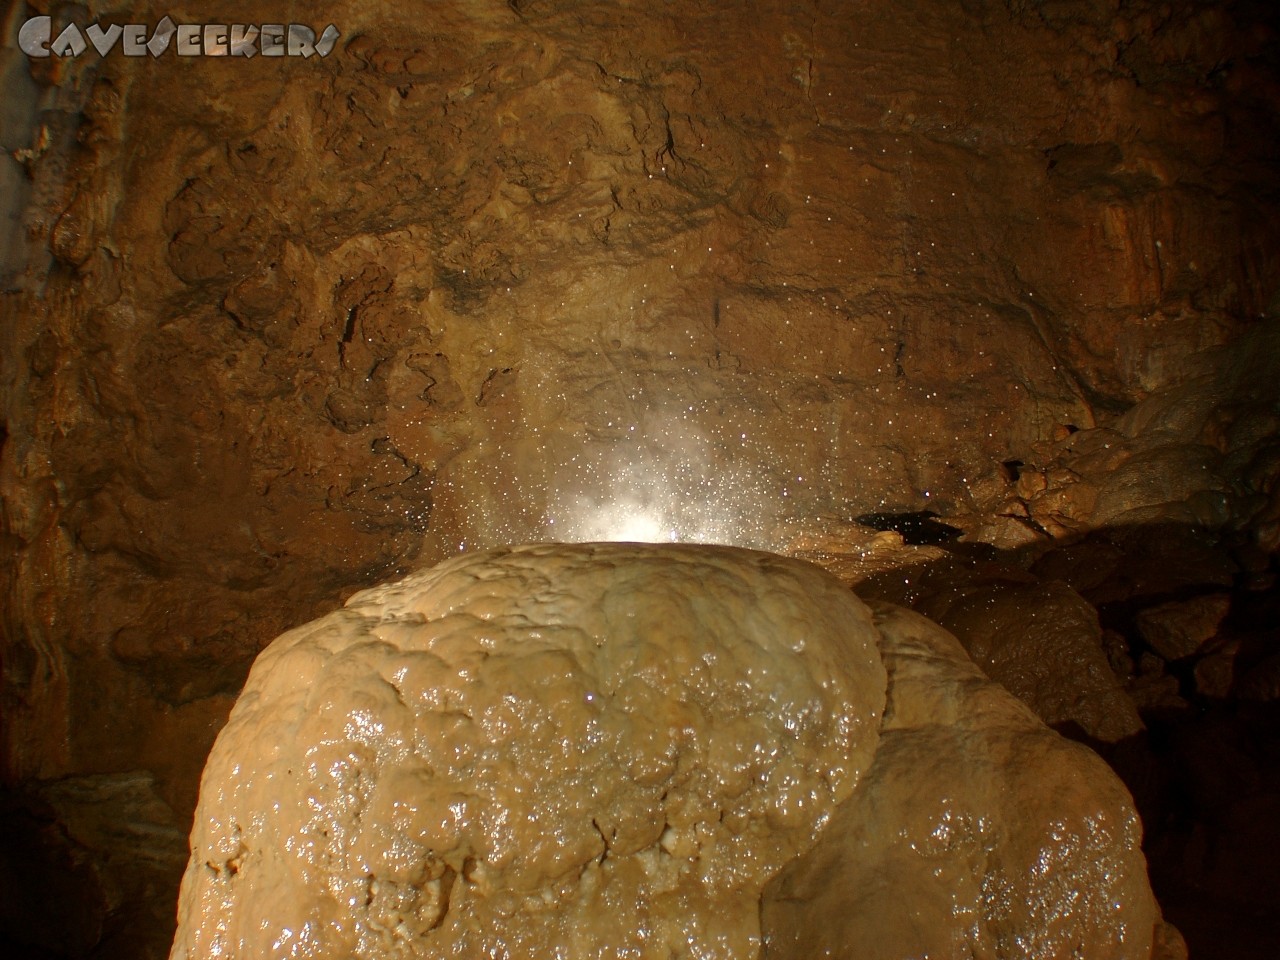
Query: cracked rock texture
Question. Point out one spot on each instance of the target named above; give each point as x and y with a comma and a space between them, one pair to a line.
497, 272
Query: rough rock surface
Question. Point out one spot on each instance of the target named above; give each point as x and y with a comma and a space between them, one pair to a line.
86, 867
1042, 642
1200, 452
610, 749
1181, 627
1040, 639
579, 751
288, 326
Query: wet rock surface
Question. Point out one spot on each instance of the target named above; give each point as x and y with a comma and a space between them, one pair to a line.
1201, 765
278, 329
570, 749
978, 832
551, 750
87, 866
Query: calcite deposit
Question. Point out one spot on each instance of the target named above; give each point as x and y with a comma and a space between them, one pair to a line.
273, 330
612, 749
600, 750
977, 832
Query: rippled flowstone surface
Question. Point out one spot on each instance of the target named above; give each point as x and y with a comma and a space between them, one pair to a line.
648, 751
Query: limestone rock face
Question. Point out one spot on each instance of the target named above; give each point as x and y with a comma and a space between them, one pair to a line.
1196, 453
1040, 640
287, 330
611, 750
1181, 627
599, 750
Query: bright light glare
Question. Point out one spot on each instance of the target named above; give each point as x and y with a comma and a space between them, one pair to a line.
637, 528
665, 484
622, 522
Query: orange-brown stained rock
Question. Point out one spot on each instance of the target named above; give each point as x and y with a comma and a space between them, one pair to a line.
977, 833
551, 751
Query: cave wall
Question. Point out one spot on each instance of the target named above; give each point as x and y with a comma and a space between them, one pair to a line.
491, 272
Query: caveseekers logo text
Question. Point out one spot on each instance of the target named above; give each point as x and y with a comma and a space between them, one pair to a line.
187, 39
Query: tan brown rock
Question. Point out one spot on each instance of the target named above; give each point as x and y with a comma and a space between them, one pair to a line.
1040, 639
1180, 628
273, 329
608, 748
1185, 455
1042, 642
1154, 689
977, 832
810, 261
1215, 671
546, 751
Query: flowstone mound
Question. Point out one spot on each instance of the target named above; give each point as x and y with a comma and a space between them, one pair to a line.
978, 833
549, 751
621, 750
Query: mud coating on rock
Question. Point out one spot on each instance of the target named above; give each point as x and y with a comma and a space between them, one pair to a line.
587, 750
978, 833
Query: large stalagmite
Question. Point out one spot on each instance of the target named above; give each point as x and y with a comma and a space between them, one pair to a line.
552, 751
613, 749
